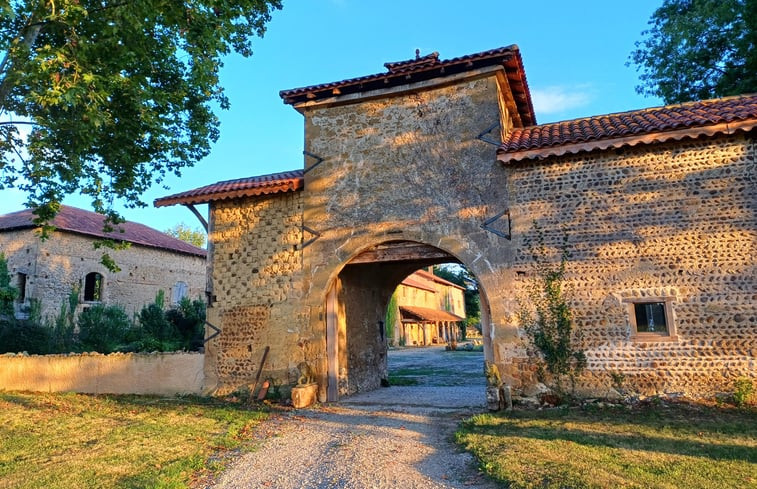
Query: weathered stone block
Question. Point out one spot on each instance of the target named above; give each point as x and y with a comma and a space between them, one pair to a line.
304, 395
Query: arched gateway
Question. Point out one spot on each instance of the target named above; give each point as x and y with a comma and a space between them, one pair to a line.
400, 172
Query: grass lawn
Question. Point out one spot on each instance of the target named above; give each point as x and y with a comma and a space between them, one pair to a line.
82, 441
655, 446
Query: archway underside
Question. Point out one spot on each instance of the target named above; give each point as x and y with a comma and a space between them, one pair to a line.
357, 345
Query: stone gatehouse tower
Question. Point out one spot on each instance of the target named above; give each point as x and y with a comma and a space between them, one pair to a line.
400, 172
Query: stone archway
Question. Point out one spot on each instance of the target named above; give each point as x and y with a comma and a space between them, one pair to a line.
355, 306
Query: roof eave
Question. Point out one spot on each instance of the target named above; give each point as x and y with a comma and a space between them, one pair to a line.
508, 157
179, 199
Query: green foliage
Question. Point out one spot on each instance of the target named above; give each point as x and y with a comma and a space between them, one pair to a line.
547, 319
698, 49
743, 390
103, 328
462, 277
8, 293
188, 320
392, 317
116, 94
24, 336
193, 236
179, 328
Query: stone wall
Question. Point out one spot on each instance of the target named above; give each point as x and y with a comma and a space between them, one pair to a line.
256, 299
93, 373
407, 166
55, 266
675, 220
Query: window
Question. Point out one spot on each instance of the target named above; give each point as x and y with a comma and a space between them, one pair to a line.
651, 318
93, 285
180, 291
22, 287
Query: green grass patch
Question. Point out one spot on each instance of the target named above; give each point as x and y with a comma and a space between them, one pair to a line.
659, 446
401, 380
83, 441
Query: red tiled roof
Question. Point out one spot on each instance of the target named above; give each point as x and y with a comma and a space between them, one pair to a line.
437, 279
427, 68
657, 124
413, 313
288, 181
89, 223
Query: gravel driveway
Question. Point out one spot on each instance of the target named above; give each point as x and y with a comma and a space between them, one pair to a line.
396, 437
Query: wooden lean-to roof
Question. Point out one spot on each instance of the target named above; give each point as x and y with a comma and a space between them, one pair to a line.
652, 125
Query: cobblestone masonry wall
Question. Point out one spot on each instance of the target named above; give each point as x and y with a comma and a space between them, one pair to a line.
257, 293
54, 266
404, 167
674, 220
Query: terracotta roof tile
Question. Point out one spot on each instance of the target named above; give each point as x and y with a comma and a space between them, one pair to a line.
655, 124
288, 181
426, 68
89, 223
414, 313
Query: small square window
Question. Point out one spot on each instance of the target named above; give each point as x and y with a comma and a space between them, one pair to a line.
651, 318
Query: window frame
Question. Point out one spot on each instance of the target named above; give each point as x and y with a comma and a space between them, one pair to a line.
670, 322
97, 291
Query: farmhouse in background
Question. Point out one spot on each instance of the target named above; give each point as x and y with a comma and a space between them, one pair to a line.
48, 270
429, 309
436, 161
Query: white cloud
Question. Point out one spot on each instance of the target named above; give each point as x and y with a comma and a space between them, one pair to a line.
556, 99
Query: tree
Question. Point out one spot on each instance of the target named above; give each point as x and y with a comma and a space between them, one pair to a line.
183, 232
115, 94
698, 49
462, 277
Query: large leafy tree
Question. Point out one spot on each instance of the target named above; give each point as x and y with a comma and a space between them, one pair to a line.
698, 49
106, 97
193, 236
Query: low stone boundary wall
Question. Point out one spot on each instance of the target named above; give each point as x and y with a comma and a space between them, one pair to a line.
94, 373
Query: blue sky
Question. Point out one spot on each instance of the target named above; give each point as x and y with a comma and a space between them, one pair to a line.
574, 54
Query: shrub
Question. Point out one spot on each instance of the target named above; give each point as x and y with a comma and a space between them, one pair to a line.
24, 336
103, 328
743, 389
548, 322
188, 320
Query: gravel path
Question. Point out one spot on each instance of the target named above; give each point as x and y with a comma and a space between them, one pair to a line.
397, 437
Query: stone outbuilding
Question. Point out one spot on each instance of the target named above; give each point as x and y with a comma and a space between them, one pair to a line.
49, 270
435, 161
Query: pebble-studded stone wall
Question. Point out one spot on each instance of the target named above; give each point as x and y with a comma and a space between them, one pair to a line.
676, 221
673, 221
405, 165
257, 292
53, 267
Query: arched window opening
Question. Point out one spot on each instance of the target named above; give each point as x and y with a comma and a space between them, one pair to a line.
180, 291
93, 284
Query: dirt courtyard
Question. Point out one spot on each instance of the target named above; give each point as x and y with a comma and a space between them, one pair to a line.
395, 437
